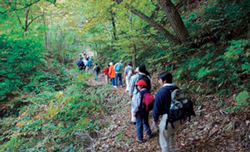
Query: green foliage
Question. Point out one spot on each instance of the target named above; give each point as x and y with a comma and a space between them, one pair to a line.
20, 59
55, 120
242, 99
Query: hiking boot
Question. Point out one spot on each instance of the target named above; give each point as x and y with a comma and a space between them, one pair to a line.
115, 86
139, 141
132, 122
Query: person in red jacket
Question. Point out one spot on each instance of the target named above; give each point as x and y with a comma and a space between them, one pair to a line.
106, 73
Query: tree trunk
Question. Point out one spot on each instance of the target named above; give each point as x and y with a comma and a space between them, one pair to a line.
174, 19
152, 23
113, 24
46, 36
133, 43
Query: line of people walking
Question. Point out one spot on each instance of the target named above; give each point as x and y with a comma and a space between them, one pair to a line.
138, 83
85, 62
113, 74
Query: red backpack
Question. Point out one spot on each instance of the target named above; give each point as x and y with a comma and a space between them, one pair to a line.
147, 102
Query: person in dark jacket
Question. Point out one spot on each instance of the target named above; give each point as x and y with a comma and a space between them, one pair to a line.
80, 63
161, 108
96, 71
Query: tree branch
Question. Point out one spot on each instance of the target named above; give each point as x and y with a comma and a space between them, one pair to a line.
15, 9
152, 23
34, 19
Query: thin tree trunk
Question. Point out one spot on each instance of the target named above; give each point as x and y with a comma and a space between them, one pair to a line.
174, 19
152, 23
46, 36
113, 24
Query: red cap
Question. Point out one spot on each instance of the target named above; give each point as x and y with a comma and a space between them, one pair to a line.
141, 83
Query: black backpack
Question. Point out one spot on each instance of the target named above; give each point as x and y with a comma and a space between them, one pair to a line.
97, 69
181, 107
147, 80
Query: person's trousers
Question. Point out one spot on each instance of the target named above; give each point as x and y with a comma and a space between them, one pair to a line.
96, 76
133, 118
87, 69
142, 120
113, 81
127, 79
166, 137
118, 76
106, 79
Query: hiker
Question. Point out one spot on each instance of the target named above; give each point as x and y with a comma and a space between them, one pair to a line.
85, 55
88, 64
132, 93
106, 73
112, 73
80, 63
142, 73
161, 107
118, 75
128, 70
96, 71
141, 116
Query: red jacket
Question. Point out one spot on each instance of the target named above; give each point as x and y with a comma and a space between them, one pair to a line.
106, 71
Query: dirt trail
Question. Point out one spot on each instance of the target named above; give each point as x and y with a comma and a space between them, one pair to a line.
120, 136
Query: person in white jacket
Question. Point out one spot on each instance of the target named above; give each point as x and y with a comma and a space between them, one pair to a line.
132, 93
128, 70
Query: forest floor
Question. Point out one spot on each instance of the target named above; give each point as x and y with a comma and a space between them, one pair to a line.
212, 129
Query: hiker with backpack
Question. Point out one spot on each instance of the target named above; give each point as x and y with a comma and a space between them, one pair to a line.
111, 73
141, 110
171, 103
96, 71
80, 63
106, 73
141, 74
118, 74
88, 64
128, 70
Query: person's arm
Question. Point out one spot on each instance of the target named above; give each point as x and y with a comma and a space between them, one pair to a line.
132, 85
137, 103
105, 70
157, 106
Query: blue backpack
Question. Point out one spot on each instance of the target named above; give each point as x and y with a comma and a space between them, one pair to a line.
118, 68
89, 62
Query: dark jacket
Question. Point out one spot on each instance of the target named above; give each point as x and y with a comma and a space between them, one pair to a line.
163, 101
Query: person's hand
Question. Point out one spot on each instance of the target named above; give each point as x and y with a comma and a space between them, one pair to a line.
131, 96
134, 114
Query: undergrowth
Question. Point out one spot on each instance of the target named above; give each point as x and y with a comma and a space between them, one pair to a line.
56, 120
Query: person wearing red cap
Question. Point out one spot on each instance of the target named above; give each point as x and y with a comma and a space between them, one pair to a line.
141, 116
